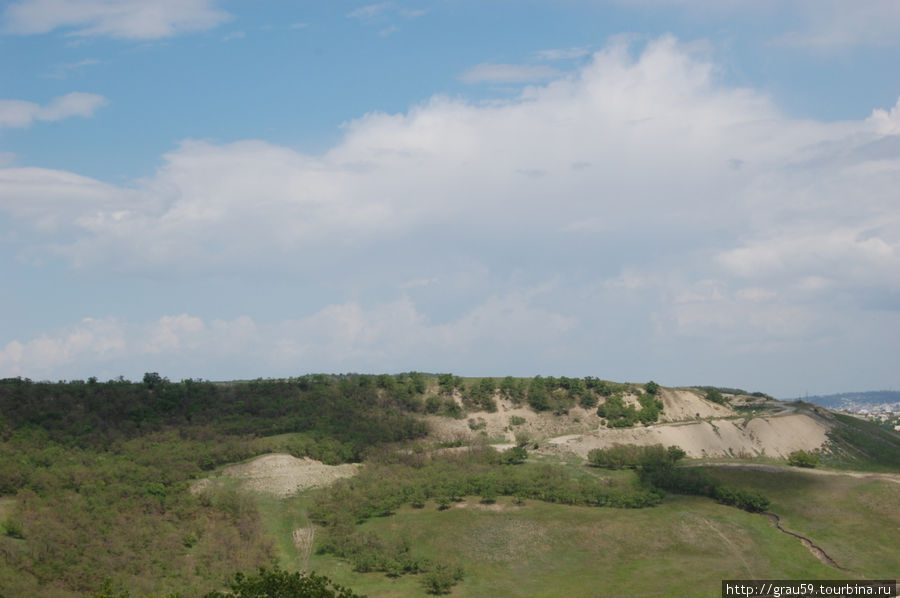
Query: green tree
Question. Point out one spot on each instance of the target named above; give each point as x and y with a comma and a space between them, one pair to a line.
715, 396
441, 578
276, 583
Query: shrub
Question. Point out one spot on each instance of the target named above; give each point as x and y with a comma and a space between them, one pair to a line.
267, 584
802, 459
514, 456
715, 396
441, 578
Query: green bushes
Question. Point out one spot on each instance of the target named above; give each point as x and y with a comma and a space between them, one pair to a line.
441, 578
620, 415
802, 459
357, 411
621, 456
480, 396
714, 395
748, 500
513, 389
281, 584
662, 474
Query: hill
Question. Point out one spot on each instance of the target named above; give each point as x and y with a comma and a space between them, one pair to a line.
854, 401
172, 486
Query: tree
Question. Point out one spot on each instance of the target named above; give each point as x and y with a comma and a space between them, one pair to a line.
276, 583
715, 396
441, 578
651, 387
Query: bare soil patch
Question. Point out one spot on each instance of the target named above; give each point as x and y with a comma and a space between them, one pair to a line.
499, 424
770, 436
281, 475
682, 405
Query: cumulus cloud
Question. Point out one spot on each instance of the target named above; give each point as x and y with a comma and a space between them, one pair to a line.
19, 113
129, 19
616, 185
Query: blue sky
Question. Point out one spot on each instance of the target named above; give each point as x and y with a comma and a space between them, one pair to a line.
694, 192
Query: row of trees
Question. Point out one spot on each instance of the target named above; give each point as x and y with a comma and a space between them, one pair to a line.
354, 410
556, 394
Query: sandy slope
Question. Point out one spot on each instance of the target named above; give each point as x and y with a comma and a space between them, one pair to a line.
775, 436
681, 405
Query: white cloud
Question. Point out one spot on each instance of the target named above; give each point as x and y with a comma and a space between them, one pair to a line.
371, 10
508, 73
130, 19
564, 53
19, 113
886, 122
617, 182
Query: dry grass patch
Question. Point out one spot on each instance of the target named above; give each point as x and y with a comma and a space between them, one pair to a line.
280, 475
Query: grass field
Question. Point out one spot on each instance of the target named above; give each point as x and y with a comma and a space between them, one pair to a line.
682, 548
856, 521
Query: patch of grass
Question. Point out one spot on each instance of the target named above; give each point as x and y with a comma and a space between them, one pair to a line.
854, 520
862, 445
544, 550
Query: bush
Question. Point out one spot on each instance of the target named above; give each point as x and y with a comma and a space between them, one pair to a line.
514, 456
715, 396
620, 456
441, 578
652, 388
802, 459
281, 584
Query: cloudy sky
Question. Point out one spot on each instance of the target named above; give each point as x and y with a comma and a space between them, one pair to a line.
689, 191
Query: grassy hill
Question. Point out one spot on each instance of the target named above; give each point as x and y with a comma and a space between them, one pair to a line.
96, 482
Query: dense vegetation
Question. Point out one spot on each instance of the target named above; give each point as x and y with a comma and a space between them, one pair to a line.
81, 461
802, 459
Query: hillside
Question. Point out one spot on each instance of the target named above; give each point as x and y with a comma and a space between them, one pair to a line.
191, 481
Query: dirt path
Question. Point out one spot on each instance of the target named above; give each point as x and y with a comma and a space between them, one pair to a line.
304, 538
887, 477
731, 545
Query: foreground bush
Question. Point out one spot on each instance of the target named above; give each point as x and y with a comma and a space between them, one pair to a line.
802, 459
281, 584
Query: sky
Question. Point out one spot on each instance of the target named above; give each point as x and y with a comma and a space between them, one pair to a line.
696, 192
